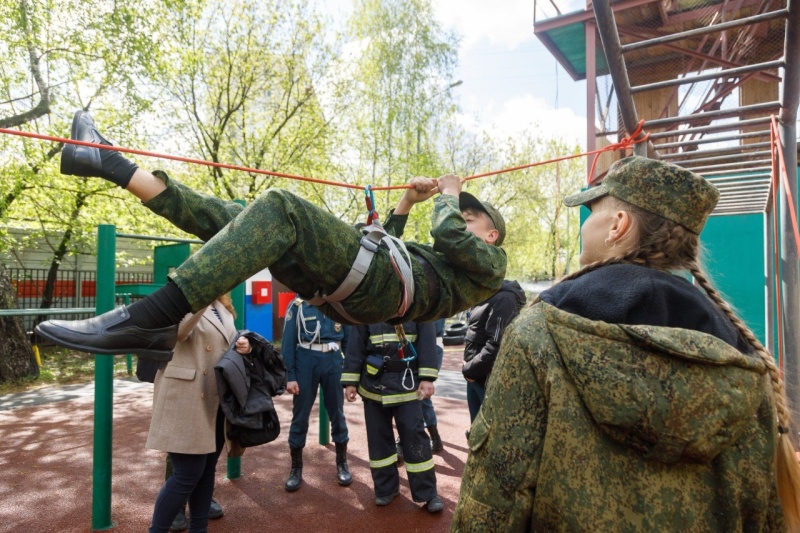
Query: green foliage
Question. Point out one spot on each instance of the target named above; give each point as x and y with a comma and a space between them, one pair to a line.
267, 84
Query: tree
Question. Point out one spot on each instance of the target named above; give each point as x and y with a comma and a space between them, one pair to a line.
58, 56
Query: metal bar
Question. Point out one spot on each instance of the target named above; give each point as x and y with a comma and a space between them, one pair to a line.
623, 30
740, 124
726, 157
766, 107
787, 129
732, 167
731, 72
707, 140
49, 311
753, 211
744, 195
717, 182
742, 187
723, 160
744, 201
747, 21
591, 92
723, 172
104, 386
607, 27
769, 278
723, 150
155, 238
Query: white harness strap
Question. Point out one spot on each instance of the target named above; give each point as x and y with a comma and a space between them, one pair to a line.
374, 236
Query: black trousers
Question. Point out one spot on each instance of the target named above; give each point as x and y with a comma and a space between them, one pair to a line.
416, 449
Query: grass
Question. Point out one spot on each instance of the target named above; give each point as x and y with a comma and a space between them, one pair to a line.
61, 366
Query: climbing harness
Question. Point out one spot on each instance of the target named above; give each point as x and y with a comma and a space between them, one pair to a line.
402, 346
374, 236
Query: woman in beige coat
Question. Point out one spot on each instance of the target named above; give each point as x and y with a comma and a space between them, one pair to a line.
187, 421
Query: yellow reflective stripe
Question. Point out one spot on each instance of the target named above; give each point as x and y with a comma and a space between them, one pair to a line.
390, 399
389, 337
428, 372
350, 377
419, 467
392, 459
369, 395
371, 370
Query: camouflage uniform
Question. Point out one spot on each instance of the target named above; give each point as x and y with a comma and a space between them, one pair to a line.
590, 426
308, 249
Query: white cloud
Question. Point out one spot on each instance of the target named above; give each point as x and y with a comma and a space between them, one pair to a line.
526, 113
502, 22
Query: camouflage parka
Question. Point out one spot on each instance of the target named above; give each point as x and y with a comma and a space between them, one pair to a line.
593, 426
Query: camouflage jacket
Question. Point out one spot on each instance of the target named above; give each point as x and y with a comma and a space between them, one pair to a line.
590, 426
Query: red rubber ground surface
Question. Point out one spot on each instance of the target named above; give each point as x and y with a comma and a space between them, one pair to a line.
46, 473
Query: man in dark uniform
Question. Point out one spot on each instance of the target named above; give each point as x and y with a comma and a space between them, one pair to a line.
311, 348
283, 232
391, 382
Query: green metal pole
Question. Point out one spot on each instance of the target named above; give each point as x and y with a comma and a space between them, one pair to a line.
126, 298
237, 296
103, 386
324, 424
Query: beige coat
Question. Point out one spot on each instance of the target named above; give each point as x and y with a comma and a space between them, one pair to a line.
185, 400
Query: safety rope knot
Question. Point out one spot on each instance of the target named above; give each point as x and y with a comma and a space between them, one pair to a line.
622, 144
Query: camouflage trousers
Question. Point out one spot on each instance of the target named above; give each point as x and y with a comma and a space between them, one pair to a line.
305, 248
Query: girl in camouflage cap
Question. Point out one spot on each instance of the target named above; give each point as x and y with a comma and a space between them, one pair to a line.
626, 399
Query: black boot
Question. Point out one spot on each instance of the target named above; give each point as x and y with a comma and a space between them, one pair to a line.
296, 474
88, 161
436, 440
215, 510
179, 524
342, 471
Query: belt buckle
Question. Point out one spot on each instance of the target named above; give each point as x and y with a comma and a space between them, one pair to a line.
370, 245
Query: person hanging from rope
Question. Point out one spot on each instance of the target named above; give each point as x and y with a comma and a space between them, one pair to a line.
628, 398
393, 368
354, 278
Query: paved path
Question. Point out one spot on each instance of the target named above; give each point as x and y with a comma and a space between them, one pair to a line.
46, 468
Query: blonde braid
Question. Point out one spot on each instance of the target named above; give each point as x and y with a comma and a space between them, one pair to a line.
787, 468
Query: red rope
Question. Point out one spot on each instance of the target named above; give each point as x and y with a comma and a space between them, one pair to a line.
625, 143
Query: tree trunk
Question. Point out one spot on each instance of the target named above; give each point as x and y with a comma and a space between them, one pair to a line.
16, 355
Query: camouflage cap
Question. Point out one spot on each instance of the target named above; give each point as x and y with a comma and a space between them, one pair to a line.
657, 187
467, 201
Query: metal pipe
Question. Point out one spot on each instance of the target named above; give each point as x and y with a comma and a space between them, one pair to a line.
707, 140
741, 124
727, 157
724, 150
607, 27
787, 129
734, 165
766, 107
723, 172
747, 21
723, 213
729, 73
744, 178
742, 187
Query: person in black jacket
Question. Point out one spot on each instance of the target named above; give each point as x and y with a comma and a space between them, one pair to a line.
485, 326
391, 381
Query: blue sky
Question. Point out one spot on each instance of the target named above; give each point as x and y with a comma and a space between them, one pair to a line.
511, 82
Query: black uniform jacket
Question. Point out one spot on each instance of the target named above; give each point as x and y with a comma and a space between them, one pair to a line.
374, 364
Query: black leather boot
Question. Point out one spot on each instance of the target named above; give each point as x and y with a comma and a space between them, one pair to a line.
296, 473
436, 440
342, 471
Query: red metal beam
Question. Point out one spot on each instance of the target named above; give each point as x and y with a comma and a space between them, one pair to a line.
583, 16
